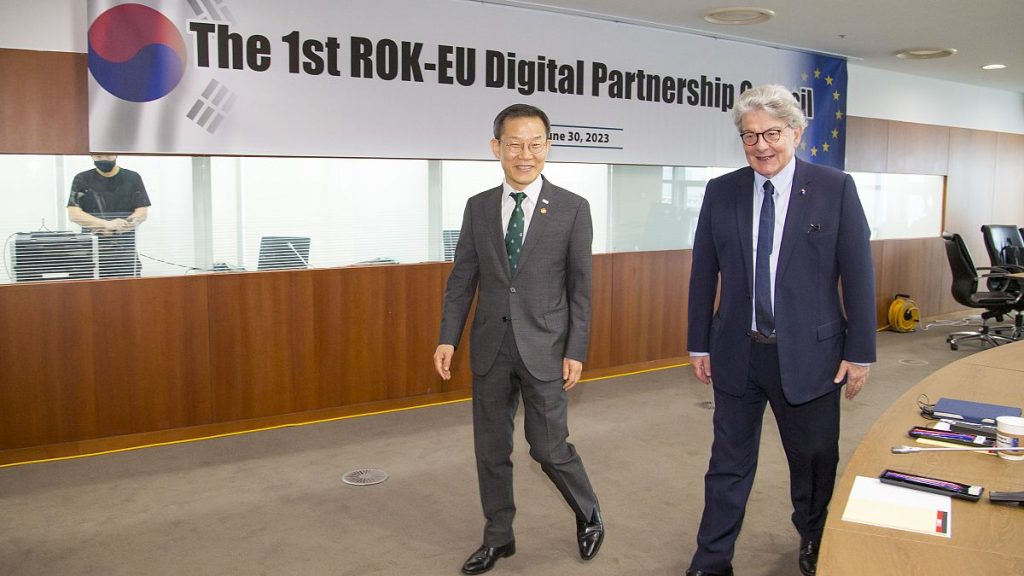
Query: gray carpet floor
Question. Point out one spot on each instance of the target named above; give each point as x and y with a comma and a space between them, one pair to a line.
273, 502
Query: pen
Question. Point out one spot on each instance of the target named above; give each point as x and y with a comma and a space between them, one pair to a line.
915, 449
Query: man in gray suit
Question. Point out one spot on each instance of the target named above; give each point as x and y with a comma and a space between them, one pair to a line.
525, 250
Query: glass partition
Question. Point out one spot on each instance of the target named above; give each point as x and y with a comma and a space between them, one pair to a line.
214, 214
901, 205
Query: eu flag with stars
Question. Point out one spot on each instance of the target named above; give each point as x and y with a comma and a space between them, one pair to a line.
820, 87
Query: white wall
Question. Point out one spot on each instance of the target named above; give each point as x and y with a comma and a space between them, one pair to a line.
876, 93
52, 25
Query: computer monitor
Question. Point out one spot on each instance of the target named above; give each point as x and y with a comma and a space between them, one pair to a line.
38, 256
283, 252
449, 239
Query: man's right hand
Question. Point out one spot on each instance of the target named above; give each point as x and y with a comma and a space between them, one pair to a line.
443, 360
115, 226
701, 368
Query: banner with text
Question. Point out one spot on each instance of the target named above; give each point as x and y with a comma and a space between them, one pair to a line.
402, 79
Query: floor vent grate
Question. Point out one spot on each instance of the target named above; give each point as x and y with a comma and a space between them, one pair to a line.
365, 477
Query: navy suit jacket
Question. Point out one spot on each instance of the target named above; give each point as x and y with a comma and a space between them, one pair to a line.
825, 239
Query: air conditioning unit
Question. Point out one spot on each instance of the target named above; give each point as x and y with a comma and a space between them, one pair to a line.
37, 256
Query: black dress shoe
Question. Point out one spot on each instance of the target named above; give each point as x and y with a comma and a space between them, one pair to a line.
808, 557
706, 573
484, 558
590, 535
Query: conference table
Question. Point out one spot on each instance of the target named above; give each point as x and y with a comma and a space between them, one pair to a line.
986, 538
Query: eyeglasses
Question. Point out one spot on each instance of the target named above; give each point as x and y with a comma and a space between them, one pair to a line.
516, 148
770, 136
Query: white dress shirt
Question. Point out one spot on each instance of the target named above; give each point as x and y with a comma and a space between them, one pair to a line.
783, 183
508, 204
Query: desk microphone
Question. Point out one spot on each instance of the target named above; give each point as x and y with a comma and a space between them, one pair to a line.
915, 449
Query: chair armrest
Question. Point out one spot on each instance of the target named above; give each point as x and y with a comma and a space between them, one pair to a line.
999, 273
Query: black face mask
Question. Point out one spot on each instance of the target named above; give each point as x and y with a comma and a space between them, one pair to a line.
104, 165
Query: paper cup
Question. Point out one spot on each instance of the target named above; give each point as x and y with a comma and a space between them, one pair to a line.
1010, 434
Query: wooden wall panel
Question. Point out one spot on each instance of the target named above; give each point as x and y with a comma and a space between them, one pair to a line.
970, 187
354, 327
648, 306
867, 144
413, 301
917, 267
881, 304
262, 352
47, 386
602, 322
45, 106
82, 360
376, 331
917, 148
151, 353
1009, 180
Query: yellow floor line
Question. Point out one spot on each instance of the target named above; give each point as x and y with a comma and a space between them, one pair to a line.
292, 425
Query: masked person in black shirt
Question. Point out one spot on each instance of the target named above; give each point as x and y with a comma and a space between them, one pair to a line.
110, 202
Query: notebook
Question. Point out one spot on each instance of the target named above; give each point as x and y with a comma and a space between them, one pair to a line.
977, 412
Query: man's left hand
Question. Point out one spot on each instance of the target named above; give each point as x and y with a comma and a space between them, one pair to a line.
571, 372
856, 376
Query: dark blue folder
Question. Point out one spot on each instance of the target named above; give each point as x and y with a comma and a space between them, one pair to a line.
976, 412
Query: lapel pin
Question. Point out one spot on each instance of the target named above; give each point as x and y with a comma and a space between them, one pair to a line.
543, 210
803, 191
544, 200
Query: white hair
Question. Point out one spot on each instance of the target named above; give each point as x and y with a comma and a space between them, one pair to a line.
775, 99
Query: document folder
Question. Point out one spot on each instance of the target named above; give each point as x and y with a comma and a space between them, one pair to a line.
968, 411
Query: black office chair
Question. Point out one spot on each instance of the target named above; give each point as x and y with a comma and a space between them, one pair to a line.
1005, 246
964, 288
1005, 249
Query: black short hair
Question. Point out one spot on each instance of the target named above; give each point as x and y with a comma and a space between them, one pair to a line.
520, 111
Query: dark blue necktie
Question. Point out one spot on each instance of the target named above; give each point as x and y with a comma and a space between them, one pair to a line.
763, 316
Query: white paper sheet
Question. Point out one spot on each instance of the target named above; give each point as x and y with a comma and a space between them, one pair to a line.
872, 502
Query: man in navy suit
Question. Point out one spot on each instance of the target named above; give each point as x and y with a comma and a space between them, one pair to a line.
525, 253
777, 238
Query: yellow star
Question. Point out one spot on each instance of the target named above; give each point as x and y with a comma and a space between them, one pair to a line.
804, 76
817, 74
839, 115
835, 134
828, 80
803, 145
814, 151
835, 95
825, 146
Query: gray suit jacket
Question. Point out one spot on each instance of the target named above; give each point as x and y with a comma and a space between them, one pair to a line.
548, 300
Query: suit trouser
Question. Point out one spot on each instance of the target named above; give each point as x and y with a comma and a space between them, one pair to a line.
810, 438
495, 401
